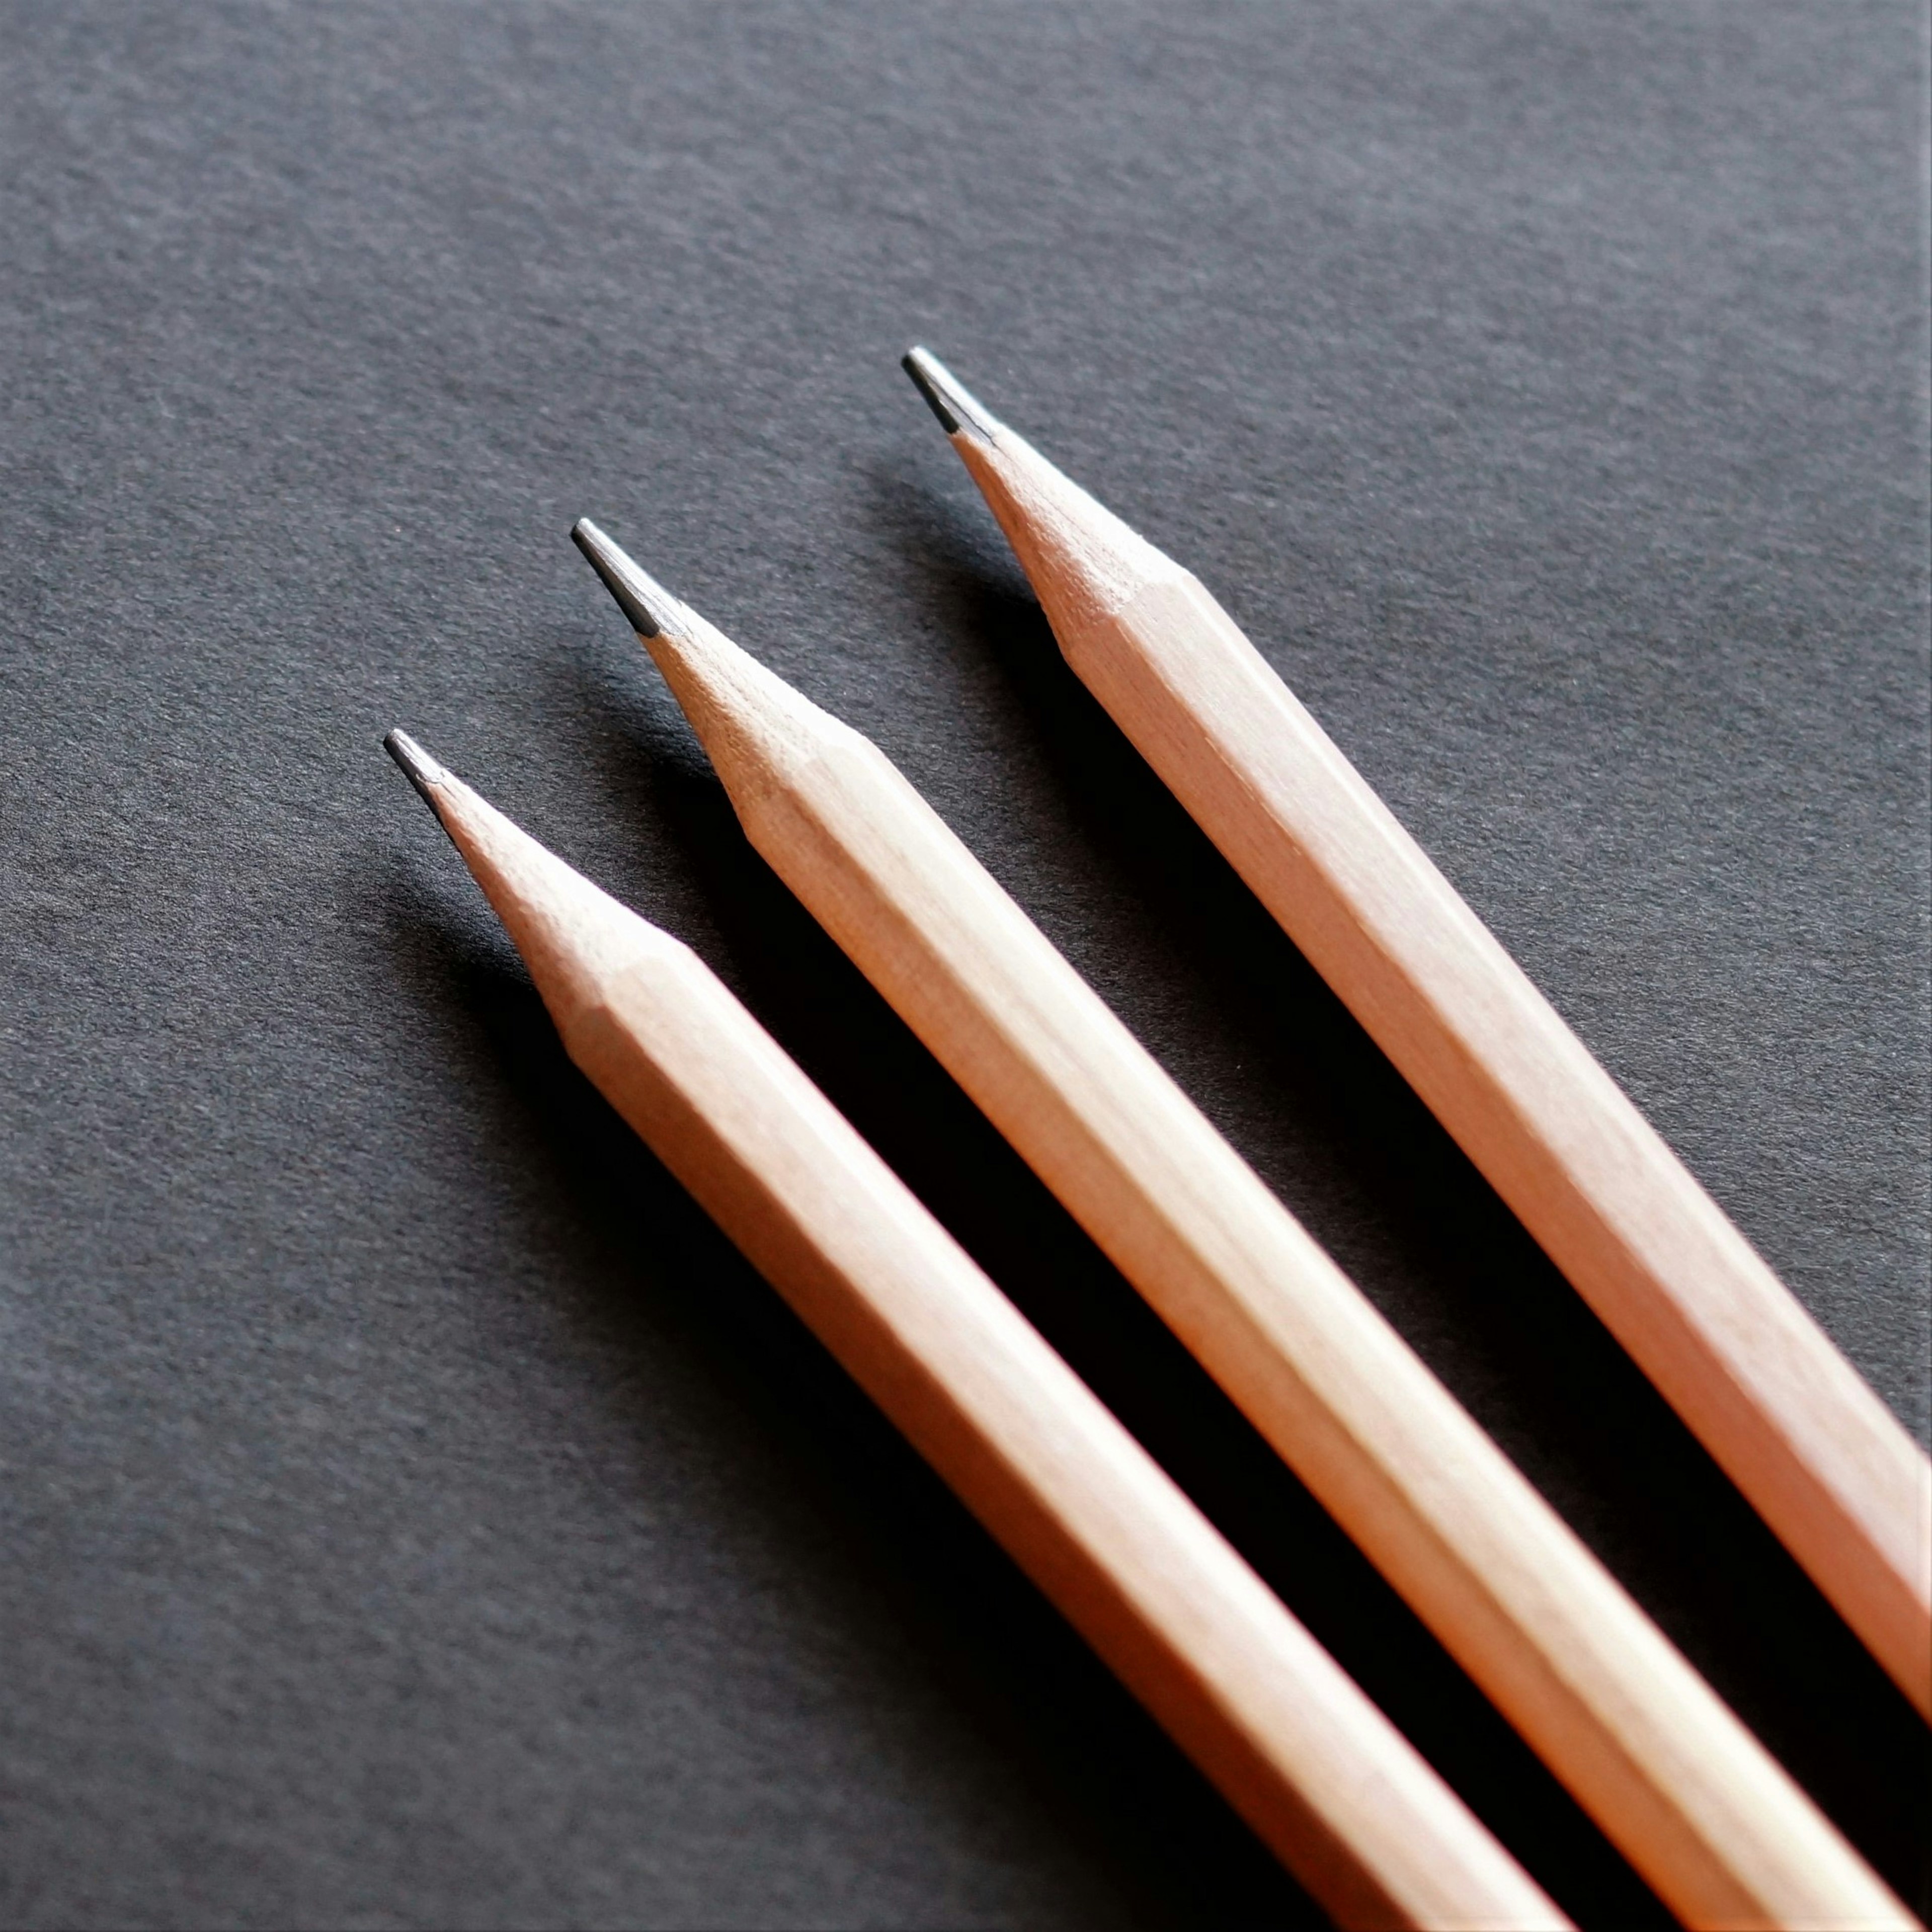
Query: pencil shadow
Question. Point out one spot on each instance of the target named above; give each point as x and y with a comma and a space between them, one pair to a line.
859, 1516
1347, 1144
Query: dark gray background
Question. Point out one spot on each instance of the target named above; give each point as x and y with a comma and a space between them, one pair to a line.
414, 1514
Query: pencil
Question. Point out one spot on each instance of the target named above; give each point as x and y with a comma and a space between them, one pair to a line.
1675, 1781
1320, 1773
1787, 1418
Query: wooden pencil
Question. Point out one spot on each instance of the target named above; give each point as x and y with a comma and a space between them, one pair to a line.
1315, 1769
1792, 1423
1680, 1786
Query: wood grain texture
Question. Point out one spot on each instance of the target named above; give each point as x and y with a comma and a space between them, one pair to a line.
1683, 1790
1314, 1767
1788, 1418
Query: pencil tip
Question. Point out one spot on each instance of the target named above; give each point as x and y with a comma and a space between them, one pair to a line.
645, 601
948, 398
418, 767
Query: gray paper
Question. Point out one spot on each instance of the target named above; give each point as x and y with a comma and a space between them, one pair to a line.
414, 1514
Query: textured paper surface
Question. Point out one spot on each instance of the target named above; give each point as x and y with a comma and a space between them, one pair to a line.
414, 1513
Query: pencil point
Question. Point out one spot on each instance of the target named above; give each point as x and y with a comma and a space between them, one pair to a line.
948, 398
646, 602
418, 767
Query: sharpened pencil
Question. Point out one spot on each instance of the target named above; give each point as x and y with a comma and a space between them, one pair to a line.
1314, 1767
1675, 1781
1822, 1459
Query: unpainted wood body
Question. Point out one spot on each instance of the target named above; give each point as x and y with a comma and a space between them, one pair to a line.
1788, 1419
1314, 1767
1689, 1797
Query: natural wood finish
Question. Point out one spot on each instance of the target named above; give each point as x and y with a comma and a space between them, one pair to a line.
1792, 1423
1689, 1797
1314, 1767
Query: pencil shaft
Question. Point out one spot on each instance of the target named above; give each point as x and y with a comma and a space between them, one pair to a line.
1780, 1408
1315, 1767
1795, 1427
1672, 1777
